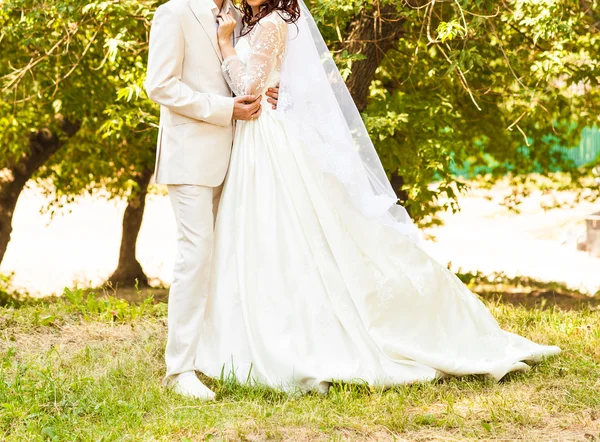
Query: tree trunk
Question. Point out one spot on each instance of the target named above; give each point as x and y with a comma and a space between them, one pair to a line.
43, 144
129, 272
397, 182
372, 33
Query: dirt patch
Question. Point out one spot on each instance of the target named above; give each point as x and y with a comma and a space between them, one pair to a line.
543, 299
531, 298
72, 338
546, 433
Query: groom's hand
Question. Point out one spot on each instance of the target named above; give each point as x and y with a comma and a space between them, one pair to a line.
273, 94
246, 107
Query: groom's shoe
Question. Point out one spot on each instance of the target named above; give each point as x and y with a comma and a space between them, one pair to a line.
187, 384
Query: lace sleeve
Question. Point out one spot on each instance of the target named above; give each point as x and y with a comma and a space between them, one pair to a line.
268, 44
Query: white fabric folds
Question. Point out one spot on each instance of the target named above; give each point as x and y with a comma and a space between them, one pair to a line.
309, 287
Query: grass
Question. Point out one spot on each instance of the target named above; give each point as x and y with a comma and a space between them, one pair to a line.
88, 368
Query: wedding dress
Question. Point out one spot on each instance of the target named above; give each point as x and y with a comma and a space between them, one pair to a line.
307, 288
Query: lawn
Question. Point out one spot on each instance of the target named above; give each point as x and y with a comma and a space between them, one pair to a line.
88, 368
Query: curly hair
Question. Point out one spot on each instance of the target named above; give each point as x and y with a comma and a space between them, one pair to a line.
289, 11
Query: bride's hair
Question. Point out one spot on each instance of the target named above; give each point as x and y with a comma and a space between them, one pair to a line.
289, 10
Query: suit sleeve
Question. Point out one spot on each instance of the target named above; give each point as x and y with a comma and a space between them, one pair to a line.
163, 79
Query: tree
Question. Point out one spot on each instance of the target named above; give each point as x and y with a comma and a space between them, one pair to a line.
129, 272
451, 84
91, 74
43, 143
442, 84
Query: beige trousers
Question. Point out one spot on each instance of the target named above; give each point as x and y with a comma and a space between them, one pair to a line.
195, 209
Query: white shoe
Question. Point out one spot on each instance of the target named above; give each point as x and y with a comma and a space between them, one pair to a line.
187, 384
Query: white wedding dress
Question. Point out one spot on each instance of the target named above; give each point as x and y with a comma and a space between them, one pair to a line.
305, 291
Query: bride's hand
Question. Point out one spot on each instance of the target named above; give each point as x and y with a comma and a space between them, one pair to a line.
227, 24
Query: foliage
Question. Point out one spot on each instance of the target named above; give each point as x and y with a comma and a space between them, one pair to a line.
484, 83
86, 61
80, 306
8, 297
70, 369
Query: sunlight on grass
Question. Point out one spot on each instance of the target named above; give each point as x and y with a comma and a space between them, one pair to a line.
83, 368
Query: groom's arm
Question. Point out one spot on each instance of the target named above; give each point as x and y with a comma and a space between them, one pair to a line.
163, 78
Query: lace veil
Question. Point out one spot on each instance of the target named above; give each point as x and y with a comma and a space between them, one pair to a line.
319, 111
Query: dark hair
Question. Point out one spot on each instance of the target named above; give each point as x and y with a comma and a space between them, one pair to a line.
289, 10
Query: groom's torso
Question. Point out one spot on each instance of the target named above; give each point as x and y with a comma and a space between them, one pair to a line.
202, 60
190, 151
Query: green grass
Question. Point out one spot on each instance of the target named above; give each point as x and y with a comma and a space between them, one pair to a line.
86, 368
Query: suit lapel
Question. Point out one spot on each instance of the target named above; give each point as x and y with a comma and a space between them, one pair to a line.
206, 18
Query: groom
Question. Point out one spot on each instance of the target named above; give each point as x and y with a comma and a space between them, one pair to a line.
197, 114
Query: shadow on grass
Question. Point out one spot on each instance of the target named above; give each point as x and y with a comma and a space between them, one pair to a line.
496, 287
528, 292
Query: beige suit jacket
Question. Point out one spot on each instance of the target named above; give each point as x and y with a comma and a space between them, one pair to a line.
196, 105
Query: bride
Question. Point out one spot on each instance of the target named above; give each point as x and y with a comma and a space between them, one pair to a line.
317, 274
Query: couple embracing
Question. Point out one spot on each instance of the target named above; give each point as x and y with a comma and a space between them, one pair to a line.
309, 271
